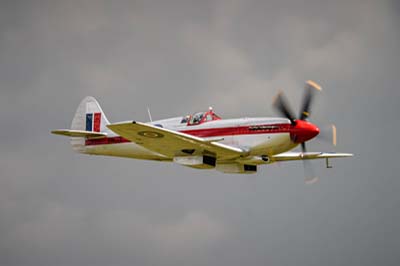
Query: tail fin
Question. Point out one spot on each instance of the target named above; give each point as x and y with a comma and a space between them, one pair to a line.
90, 117
89, 122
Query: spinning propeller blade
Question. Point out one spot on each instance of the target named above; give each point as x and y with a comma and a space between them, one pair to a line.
334, 140
282, 105
309, 91
309, 173
328, 134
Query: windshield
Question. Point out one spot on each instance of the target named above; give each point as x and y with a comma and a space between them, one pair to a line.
196, 118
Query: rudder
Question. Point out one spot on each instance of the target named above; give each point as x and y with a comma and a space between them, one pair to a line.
88, 117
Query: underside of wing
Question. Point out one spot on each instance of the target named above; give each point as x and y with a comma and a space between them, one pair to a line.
290, 156
172, 143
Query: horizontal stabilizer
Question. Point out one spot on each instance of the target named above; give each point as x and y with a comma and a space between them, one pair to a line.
79, 133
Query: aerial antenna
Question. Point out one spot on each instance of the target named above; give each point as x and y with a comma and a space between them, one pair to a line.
148, 111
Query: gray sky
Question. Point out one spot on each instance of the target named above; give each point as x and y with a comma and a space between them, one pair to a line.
61, 208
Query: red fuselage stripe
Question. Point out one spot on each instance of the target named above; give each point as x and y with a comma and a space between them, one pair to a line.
241, 130
208, 132
106, 140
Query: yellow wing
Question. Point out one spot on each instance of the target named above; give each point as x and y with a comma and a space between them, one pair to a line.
173, 143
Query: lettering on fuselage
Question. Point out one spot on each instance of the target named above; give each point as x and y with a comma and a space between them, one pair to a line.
266, 127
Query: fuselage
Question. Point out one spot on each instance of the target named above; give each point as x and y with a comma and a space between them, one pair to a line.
260, 136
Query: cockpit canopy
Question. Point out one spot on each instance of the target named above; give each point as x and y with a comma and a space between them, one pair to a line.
200, 117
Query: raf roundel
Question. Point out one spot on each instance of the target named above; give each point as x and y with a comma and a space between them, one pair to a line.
150, 134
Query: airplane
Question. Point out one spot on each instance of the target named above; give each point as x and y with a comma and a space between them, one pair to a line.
202, 140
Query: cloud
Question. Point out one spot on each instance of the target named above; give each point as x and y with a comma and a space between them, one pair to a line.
196, 228
56, 231
60, 208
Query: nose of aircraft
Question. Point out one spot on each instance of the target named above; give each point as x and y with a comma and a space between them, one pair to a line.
303, 131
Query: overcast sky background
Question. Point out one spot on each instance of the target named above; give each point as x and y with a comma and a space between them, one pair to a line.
178, 57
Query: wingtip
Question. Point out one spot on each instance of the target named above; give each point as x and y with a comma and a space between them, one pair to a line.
347, 155
58, 131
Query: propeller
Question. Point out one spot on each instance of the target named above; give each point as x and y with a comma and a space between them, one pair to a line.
309, 173
302, 130
281, 104
328, 134
310, 89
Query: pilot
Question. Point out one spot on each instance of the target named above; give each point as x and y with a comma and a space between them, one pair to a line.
196, 119
185, 119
